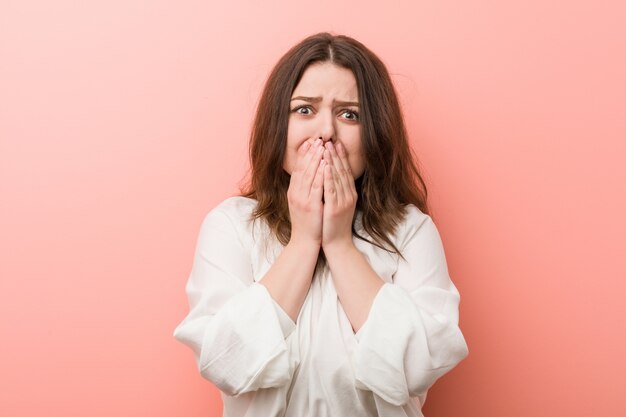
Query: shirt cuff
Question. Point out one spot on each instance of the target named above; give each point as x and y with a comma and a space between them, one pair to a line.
287, 325
377, 300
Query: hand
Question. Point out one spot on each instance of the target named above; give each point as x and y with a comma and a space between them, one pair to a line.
340, 198
304, 194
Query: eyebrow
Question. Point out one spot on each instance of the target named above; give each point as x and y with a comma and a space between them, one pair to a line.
316, 99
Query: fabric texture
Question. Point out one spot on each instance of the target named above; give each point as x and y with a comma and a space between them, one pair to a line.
265, 365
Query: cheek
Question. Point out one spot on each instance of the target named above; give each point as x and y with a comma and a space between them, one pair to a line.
356, 158
294, 141
357, 164
288, 160
297, 134
291, 157
296, 131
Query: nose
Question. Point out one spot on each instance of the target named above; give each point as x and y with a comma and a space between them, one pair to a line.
326, 129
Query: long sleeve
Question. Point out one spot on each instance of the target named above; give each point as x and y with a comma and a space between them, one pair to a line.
411, 336
235, 328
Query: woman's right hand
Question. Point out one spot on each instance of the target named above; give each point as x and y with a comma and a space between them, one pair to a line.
306, 188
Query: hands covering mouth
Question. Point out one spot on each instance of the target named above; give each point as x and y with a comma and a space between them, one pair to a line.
322, 194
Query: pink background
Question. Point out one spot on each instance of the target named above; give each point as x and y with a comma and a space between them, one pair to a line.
123, 122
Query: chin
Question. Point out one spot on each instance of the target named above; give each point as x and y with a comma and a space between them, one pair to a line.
356, 177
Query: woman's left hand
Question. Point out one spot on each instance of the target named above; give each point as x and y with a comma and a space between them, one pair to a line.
340, 198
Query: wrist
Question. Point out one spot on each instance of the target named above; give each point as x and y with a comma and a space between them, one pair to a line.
304, 245
338, 248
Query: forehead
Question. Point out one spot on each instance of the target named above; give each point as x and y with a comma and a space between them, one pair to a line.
327, 79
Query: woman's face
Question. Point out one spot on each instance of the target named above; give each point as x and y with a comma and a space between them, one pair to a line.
325, 104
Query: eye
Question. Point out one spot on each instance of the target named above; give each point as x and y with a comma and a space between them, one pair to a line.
354, 115
297, 109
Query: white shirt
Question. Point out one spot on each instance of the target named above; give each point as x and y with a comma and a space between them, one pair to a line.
266, 365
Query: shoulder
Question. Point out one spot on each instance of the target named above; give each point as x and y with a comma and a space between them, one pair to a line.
414, 215
415, 222
236, 207
233, 212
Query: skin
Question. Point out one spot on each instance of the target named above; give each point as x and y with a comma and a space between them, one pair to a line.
334, 122
324, 156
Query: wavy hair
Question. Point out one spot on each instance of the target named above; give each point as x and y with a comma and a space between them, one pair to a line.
391, 179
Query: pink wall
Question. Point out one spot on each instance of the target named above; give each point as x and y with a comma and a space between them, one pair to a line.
123, 122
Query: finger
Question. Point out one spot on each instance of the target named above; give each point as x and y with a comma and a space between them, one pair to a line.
301, 154
339, 173
305, 154
337, 161
317, 187
343, 157
330, 192
338, 186
313, 165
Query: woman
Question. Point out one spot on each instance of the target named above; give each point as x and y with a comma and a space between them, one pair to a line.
323, 289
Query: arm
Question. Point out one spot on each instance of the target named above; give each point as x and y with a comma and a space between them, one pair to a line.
411, 336
235, 329
356, 295
289, 278
344, 260
355, 281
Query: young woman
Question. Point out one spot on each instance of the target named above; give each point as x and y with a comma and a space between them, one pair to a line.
323, 289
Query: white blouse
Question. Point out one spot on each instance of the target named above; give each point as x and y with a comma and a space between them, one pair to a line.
266, 365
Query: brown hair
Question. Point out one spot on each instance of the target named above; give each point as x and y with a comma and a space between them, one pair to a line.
391, 179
